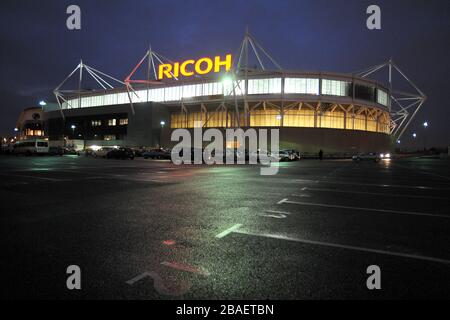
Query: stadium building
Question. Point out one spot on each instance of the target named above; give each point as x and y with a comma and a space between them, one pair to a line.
335, 112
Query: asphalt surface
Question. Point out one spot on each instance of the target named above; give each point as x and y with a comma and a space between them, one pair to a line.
147, 229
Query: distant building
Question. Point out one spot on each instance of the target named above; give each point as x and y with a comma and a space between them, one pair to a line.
30, 124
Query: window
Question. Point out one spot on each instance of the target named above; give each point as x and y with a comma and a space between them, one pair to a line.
112, 122
156, 95
109, 137
335, 87
299, 118
364, 92
96, 123
172, 94
123, 122
212, 89
265, 118
264, 86
382, 97
301, 85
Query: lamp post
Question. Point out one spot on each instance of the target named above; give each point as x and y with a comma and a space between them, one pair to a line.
162, 123
425, 126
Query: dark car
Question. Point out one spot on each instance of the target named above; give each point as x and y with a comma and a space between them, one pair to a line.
158, 153
121, 153
56, 151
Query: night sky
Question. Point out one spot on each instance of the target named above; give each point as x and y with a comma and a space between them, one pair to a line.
37, 50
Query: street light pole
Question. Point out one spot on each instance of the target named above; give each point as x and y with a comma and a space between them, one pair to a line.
162, 123
425, 126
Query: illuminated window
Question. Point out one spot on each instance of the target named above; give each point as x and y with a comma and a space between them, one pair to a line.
264, 86
335, 87
301, 85
156, 95
371, 123
122, 98
172, 94
234, 87
359, 122
299, 118
123, 122
382, 97
178, 120
196, 119
212, 89
265, 118
96, 123
112, 122
217, 119
334, 120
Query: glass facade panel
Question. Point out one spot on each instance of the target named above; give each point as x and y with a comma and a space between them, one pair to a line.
335, 87
156, 95
301, 86
264, 86
299, 118
382, 97
265, 118
359, 122
334, 120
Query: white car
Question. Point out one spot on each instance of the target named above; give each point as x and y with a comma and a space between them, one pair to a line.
282, 156
102, 152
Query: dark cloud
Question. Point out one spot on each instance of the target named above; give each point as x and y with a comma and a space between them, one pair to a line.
37, 51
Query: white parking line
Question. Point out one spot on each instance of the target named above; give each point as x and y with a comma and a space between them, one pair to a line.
412, 213
342, 246
228, 231
383, 194
185, 268
280, 212
368, 184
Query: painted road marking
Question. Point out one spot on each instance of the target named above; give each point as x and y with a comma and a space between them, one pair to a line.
186, 268
158, 284
228, 231
373, 193
369, 184
280, 212
302, 195
412, 213
342, 246
282, 201
33, 177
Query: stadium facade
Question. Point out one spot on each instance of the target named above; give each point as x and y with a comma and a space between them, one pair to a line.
335, 112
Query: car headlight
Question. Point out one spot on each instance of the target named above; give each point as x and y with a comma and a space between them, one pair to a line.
382, 155
388, 155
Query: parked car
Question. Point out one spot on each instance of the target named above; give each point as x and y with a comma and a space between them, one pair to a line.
120, 153
56, 151
372, 156
294, 155
71, 151
282, 156
102, 152
158, 153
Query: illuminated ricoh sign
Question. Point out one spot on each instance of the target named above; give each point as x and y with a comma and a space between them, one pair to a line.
190, 68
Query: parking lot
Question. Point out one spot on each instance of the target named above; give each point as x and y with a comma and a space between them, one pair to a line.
147, 229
